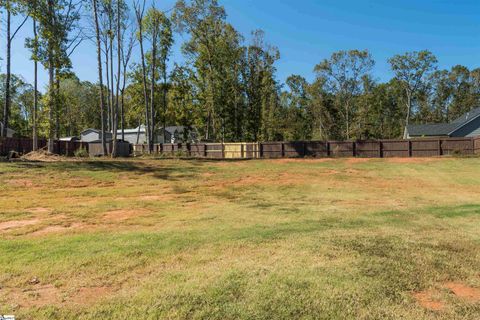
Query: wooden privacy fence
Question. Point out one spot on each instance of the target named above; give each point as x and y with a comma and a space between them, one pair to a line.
320, 149
23, 146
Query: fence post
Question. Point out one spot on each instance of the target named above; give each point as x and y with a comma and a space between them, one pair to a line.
440, 152
380, 149
328, 148
354, 149
410, 153
283, 150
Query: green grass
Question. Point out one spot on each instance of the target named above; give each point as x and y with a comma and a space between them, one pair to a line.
300, 239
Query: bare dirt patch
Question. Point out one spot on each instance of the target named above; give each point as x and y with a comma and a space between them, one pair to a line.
88, 295
302, 160
21, 183
156, 197
461, 290
47, 295
412, 160
17, 224
357, 160
58, 229
39, 210
426, 300
123, 214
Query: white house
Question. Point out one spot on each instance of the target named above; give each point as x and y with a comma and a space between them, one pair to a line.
10, 132
90, 135
173, 134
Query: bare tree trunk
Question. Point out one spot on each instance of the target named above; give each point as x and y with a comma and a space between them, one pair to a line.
6, 108
409, 109
152, 93
119, 53
164, 98
57, 107
100, 76
112, 92
35, 85
107, 73
139, 13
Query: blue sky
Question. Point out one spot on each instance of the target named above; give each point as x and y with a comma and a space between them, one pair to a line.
308, 31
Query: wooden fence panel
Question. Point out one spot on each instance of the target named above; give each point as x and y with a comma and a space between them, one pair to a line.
271, 150
368, 149
214, 150
464, 146
252, 150
317, 149
395, 148
426, 148
342, 149
293, 149
476, 145
197, 150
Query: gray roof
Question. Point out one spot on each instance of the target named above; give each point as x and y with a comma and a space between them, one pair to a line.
170, 129
443, 129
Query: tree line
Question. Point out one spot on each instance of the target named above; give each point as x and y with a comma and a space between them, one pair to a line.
226, 88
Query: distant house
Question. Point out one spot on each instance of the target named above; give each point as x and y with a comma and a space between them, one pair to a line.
173, 134
10, 132
468, 125
70, 139
90, 135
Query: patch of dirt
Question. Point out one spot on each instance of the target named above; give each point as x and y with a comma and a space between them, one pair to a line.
39, 210
21, 183
57, 229
357, 160
300, 160
17, 224
47, 295
37, 296
463, 291
88, 295
426, 300
123, 214
412, 160
156, 197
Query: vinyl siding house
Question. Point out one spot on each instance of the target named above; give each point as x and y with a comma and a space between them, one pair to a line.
173, 134
10, 132
90, 135
468, 125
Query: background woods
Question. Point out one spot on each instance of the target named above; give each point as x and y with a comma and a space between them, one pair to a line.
222, 85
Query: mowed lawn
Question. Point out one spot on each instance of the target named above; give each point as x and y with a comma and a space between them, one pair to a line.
267, 239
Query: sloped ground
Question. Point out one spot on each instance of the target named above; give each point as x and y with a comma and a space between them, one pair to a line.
285, 239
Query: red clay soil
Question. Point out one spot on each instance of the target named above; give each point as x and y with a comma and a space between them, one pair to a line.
17, 224
426, 300
412, 160
463, 291
48, 295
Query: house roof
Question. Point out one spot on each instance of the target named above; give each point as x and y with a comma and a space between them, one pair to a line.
170, 129
93, 130
443, 129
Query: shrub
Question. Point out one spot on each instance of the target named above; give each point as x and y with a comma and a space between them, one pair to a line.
81, 153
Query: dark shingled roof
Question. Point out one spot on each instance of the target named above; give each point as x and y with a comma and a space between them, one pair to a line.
442, 129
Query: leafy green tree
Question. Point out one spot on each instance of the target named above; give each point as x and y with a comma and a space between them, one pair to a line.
343, 74
412, 70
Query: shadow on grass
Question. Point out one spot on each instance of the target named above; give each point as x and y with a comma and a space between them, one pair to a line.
163, 172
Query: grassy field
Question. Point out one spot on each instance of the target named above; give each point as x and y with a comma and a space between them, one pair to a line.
283, 239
